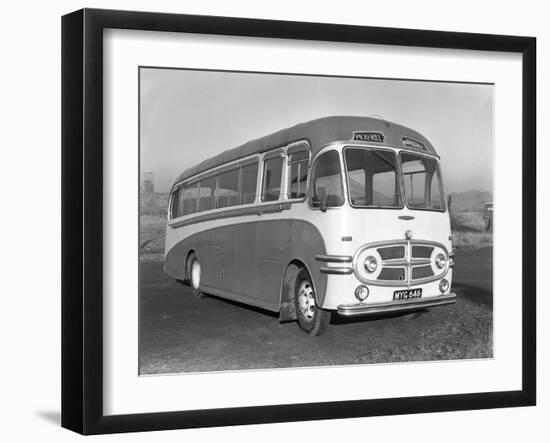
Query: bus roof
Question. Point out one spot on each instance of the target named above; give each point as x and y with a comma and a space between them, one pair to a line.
319, 133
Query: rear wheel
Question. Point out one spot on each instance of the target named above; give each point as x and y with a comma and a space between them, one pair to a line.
194, 273
311, 317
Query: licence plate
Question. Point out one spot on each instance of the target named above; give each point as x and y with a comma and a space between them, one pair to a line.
406, 294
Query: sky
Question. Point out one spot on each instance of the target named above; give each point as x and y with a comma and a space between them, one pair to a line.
187, 116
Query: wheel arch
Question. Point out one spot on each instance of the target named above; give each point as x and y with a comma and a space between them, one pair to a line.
186, 268
287, 310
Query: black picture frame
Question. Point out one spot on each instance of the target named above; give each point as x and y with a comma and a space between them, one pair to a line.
82, 215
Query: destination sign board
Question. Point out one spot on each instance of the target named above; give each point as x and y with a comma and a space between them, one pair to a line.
412, 143
368, 136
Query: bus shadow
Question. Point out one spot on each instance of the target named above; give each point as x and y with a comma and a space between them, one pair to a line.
340, 320
243, 306
474, 293
335, 318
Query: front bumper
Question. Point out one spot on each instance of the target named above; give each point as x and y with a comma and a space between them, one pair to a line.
398, 306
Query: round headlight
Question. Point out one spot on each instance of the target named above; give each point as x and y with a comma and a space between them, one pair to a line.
443, 285
441, 261
371, 264
361, 292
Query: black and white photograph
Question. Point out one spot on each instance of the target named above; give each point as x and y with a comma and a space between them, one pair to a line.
275, 222
294, 221
270, 221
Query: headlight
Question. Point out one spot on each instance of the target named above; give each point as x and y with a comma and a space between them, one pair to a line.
443, 285
361, 292
371, 264
441, 261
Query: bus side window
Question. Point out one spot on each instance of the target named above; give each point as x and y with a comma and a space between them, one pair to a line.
297, 174
207, 193
273, 169
175, 203
249, 178
190, 193
327, 174
228, 189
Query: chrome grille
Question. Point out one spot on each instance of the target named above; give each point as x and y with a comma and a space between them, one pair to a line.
407, 261
419, 272
392, 252
422, 251
395, 274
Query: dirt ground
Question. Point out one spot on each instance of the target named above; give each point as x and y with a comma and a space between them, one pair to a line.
180, 333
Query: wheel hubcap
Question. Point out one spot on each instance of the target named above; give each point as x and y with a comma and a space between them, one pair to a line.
195, 274
306, 300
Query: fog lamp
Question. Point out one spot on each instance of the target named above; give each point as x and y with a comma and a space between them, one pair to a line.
440, 261
361, 292
443, 285
371, 264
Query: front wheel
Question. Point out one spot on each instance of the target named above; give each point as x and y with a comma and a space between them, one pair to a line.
311, 317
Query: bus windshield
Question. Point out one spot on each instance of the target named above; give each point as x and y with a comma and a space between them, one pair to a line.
373, 177
373, 180
422, 181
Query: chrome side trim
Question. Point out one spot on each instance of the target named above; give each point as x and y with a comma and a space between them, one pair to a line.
400, 306
233, 212
334, 258
336, 270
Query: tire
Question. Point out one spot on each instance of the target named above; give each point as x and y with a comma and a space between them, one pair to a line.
311, 318
194, 275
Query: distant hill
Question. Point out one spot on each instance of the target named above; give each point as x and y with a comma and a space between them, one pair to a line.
359, 189
470, 200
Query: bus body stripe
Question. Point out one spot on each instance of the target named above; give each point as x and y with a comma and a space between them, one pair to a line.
237, 212
249, 259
